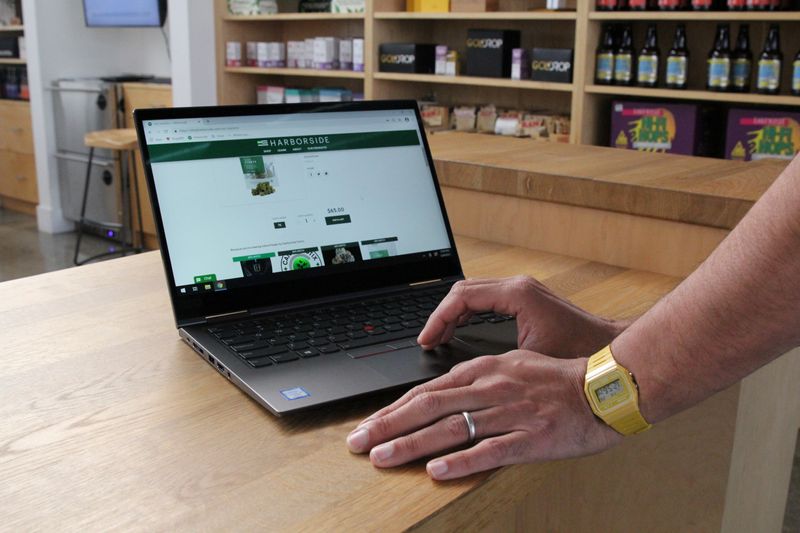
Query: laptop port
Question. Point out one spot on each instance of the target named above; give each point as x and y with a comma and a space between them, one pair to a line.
211, 360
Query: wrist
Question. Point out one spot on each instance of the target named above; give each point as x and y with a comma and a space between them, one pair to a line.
650, 381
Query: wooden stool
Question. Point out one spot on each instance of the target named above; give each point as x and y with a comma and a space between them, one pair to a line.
122, 141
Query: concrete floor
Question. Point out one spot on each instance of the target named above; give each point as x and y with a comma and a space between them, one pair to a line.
24, 251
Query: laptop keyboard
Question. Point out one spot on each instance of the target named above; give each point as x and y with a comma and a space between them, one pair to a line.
293, 336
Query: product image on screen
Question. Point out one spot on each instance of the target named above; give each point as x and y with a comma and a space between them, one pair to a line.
127, 13
341, 254
299, 259
380, 248
256, 267
259, 175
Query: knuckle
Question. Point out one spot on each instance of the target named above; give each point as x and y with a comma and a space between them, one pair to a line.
496, 449
382, 426
409, 445
428, 403
455, 426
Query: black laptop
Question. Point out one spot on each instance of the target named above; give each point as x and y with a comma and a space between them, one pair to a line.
306, 245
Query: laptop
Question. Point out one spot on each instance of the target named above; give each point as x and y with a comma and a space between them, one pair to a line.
305, 246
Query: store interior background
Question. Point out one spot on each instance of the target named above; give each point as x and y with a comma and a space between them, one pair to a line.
59, 45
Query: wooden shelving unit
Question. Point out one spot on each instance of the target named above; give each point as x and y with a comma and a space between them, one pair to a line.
12, 28
14, 61
587, 103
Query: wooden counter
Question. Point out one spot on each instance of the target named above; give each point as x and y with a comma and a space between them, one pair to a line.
108, 421
695, 190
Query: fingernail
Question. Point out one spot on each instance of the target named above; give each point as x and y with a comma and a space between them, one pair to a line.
382, 452
437, 468
357, 440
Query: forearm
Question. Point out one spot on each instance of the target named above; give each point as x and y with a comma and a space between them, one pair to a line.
735, 313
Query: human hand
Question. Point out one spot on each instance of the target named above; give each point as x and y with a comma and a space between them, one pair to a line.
527, 407
546, 323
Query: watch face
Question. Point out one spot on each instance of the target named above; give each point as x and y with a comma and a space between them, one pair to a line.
610, 390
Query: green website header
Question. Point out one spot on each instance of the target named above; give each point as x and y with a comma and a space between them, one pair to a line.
163, 153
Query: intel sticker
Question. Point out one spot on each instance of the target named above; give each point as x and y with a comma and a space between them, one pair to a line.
295, 393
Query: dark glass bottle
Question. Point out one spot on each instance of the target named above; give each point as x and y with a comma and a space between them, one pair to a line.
609, 5
647, 62
719, 60
672, 5
678, 61
624, 58
642, 5
702, 5
742, 61
796, 75
737, 5
769, 64
604, 66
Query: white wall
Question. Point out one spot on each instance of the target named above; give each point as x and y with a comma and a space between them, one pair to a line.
60, 45
194, 75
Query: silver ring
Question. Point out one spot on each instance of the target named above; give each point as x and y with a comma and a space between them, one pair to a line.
470, 426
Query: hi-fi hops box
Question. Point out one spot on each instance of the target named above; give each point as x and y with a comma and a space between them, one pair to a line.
407, 57
489, 52
755, 134
662, 127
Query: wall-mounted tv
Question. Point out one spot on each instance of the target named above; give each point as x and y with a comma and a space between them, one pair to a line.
124, 13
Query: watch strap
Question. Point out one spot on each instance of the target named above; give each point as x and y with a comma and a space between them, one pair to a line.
627, 420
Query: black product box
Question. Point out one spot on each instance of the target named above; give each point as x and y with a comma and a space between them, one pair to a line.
552, 64
407, 57
489, 52
9, 47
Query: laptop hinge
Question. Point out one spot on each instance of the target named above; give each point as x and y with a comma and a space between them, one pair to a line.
225, 316
418, 283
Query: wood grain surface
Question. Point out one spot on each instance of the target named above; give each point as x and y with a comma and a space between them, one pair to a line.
108, 421
696, 190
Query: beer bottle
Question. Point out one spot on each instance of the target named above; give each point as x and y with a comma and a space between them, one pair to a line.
769, 64
678, 60
737, 5
742, 63
604, 68
624, 58
796, 75
719, 60
647, 63
641, 5
702, 5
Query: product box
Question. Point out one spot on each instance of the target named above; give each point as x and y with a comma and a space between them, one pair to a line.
453, 65
657, 127
520, 67
297, 96
755, 134
407, 57
487, 117
464, 118
552, 64
252, 7
9, 47
348, 6
435, 117
233, 53
294, 54
251, 54
276, 55
346, 54
462, 6
441, 60
326, 53
358, 55
332, 94
489, 52
308, 53
428, 6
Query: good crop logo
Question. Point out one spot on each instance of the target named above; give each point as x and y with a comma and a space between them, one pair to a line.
485, 43
551, 66
397, 59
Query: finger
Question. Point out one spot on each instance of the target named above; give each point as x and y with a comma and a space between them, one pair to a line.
419, 412
445, 381
466, 297
487, 454
445, 434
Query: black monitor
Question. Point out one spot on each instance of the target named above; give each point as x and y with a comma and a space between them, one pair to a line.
124, 13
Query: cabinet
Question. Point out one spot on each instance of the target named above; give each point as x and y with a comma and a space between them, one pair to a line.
140, 96
18, 189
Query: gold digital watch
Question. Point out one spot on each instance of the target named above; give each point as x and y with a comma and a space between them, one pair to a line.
613, 394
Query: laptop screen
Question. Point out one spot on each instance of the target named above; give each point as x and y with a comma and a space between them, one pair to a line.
263, 198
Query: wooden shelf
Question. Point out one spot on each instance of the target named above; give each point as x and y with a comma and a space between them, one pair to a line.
708, 16
350, 74
709, 96
475, 81
12, 29
280, 17
495, 15
4, 61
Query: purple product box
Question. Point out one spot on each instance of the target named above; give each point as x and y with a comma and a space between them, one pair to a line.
520, 66
655, 127
755, 134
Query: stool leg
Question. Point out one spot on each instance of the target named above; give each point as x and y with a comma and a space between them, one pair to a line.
138, 200
83, 206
